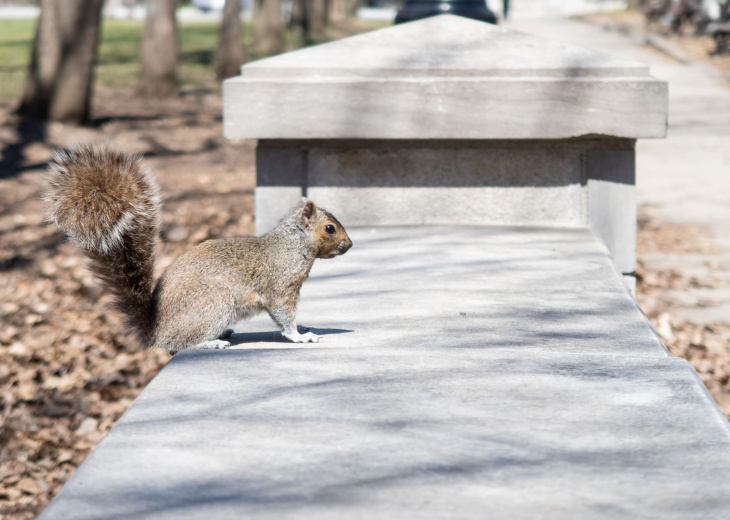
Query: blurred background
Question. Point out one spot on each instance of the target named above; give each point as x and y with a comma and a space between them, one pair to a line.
146, 77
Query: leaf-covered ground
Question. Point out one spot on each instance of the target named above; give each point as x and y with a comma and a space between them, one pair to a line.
660, 294
67, 368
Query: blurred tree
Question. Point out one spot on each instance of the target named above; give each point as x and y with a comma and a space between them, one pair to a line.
60, 75
320, 10
310, 16
336, 11
158, 76
352, 6
269, 26
229, 56
300, 18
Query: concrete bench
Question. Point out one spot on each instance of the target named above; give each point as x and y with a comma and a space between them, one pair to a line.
481, 357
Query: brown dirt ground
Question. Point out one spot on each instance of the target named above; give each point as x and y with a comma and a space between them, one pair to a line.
68, 370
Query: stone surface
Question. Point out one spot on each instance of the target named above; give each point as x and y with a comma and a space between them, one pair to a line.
573, 182
464, 372
492, 126
391, 183
529, 289
611, 204
444, 77
683, 179
387, 432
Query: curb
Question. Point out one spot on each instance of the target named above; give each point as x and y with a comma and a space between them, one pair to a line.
662, 45
658, 42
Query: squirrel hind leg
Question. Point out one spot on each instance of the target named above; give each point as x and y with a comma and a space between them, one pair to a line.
200, 325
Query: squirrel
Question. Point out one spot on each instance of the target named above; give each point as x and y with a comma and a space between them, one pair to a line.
109, 205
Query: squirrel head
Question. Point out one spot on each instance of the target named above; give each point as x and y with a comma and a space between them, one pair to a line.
330, 237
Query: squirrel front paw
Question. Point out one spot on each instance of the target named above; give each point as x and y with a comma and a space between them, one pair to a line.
307, 337
310, 337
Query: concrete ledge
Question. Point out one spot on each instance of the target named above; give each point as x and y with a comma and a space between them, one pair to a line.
465, 372
418, 433
571, 182
445, 77
444, 109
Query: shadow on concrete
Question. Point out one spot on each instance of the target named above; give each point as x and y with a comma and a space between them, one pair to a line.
325, 433
274, 336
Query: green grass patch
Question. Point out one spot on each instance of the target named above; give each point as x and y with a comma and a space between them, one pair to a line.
120, 48
16, 37
119, 52
117, 60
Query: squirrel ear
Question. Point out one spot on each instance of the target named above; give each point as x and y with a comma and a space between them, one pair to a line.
308, 211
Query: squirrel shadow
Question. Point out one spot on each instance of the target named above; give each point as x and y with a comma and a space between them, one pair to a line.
242, 338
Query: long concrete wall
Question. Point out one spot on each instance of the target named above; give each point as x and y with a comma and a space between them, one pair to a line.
465, 372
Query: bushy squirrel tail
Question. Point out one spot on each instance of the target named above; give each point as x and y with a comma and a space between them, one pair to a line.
109, 205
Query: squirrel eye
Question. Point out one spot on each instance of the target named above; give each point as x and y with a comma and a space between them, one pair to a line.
330, 229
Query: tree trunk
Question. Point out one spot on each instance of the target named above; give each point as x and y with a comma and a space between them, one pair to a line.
229, 56
158, 77
336, 11
318, 15
60, 75
269, 26
301, 18
353, 6
312, 16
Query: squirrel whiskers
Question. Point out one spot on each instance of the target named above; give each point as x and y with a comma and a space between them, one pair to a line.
108, 204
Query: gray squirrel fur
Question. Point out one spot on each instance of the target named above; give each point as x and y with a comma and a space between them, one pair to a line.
108, 204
